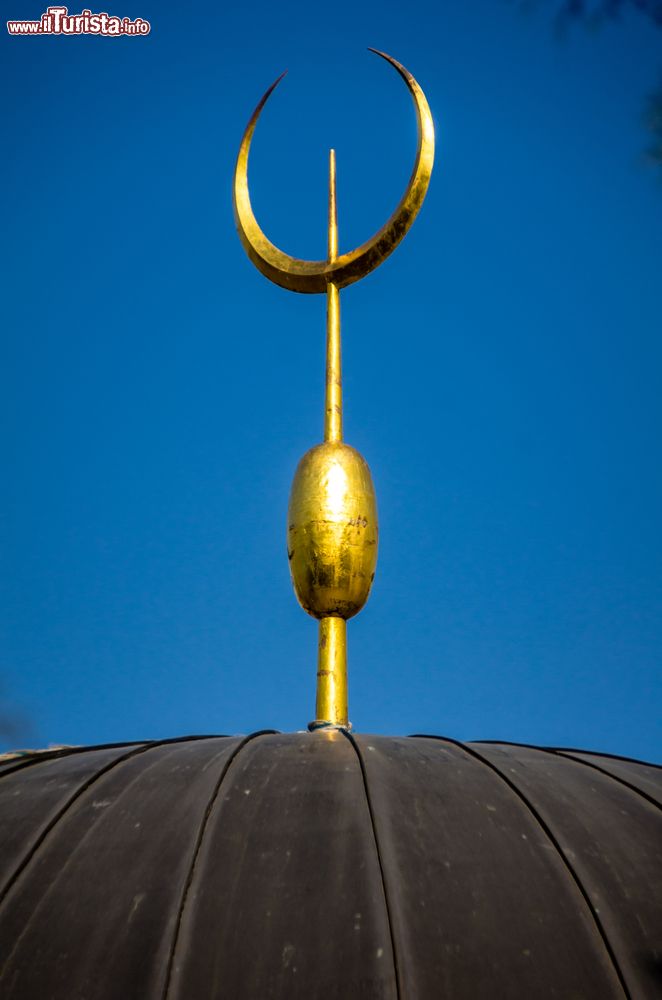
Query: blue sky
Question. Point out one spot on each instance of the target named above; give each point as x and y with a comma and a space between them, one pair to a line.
502, 374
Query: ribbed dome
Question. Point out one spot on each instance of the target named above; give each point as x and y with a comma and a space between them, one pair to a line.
322, 865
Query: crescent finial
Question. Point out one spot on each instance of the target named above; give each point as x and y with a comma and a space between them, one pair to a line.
315, 275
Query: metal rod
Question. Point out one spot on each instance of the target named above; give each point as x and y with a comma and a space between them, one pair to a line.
333, 400
331, 705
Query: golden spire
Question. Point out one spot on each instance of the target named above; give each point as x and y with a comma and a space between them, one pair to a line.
332, 514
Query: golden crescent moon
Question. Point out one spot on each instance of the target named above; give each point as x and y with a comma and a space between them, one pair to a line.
314, 275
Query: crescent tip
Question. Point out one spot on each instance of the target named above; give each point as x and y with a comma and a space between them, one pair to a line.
279, 267
402, 70
240, 173
263, 100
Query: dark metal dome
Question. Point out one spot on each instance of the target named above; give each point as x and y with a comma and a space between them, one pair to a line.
322, 865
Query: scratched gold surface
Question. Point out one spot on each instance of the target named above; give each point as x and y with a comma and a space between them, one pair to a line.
332, 531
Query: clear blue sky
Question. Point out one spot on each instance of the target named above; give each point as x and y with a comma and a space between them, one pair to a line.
502, 374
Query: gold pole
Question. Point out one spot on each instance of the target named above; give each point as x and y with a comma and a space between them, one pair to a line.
333, 402
331, 703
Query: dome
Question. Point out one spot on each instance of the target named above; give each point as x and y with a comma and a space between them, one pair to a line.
329, 864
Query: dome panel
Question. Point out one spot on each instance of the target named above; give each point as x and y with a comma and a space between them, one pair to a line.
611, 838
645, 778
287, 897
35, 795
94, 912
481, 903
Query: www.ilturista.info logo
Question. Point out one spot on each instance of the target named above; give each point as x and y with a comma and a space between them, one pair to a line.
58, 21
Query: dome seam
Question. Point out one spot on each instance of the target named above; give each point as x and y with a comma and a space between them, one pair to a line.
607, 774
396, 968
196, 852
555, 843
